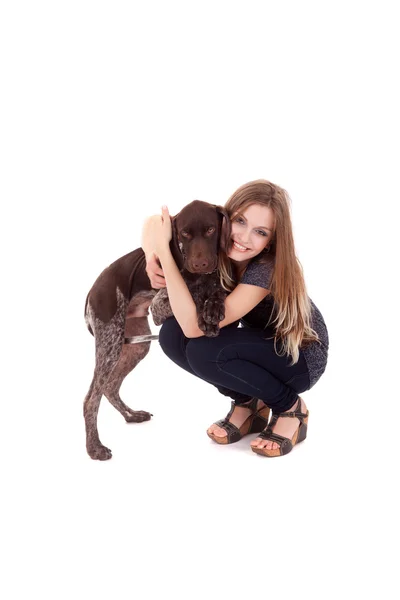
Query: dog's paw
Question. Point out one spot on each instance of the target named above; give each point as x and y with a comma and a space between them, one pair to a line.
99, 452
137, 416
209, 329
213, 311
212, 331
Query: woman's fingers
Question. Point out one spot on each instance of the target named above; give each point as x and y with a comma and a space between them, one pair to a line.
166, 220
158, 282
155, 272
153, 265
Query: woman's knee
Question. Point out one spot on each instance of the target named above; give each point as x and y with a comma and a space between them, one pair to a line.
200, 355
171, 337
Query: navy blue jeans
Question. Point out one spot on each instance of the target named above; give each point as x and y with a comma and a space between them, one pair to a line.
240, 362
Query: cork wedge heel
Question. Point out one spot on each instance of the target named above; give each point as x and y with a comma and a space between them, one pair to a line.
255, 422
285, 444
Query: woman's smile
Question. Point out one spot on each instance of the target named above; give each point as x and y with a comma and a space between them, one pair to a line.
239, 247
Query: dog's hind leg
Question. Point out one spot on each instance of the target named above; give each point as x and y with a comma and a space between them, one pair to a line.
109, 339
94, 447
131, 354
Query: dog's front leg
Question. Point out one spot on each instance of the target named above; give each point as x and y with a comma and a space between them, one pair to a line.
214, 309
210, 302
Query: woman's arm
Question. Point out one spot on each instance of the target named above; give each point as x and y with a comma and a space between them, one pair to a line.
156, 236
237, 304
180, 299
153, 269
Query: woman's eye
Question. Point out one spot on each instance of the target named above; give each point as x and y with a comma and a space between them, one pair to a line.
263, 233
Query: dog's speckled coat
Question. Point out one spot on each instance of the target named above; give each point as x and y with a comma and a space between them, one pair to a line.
117, 307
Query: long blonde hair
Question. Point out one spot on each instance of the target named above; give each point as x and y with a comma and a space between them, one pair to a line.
291, 313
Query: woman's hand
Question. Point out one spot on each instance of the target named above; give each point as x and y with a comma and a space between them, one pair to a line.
155, 272
157, 233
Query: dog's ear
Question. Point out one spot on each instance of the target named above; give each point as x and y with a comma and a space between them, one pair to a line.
225, 229
174, 243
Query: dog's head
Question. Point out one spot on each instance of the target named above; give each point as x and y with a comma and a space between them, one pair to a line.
199, 231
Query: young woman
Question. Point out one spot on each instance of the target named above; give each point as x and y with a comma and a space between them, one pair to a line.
281, 349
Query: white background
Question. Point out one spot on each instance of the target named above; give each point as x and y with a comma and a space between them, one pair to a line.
109, 110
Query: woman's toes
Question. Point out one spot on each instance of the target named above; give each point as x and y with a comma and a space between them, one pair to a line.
260, 443
255, 442
219, 432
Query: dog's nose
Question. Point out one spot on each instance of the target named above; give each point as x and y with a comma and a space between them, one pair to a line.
200, 265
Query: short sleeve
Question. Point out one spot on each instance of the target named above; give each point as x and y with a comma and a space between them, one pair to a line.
259, 274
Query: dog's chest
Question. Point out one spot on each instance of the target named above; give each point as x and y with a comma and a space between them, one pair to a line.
204, 286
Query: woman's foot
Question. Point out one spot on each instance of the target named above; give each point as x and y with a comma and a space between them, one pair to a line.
237, 418
285, 427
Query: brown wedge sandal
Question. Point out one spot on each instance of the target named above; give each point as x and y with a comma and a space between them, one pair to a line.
285, 444
255, 422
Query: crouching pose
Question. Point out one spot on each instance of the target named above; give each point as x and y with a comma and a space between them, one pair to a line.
281, 349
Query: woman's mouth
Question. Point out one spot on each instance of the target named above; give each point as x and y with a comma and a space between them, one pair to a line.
239, 247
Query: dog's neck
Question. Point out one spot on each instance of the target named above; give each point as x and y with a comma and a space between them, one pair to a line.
188, 276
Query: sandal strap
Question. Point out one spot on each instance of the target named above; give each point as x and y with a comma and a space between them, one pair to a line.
227, 425
272, 437
231, 430
294, 413
271, 424
268, 434
230, 412
285, 444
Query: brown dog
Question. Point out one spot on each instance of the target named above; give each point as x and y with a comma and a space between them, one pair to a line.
117, 308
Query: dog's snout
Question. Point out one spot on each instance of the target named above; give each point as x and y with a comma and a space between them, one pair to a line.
200, 265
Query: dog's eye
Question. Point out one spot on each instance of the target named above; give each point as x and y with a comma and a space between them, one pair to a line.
184, 234
211, 230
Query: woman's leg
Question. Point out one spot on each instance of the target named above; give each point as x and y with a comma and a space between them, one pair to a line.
174, 343
243, 360
246, 361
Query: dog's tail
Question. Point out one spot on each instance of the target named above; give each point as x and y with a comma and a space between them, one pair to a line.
87, 316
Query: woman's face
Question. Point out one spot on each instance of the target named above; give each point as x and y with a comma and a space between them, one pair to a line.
251, 232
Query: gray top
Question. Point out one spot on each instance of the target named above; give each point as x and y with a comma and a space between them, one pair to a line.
315, 353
